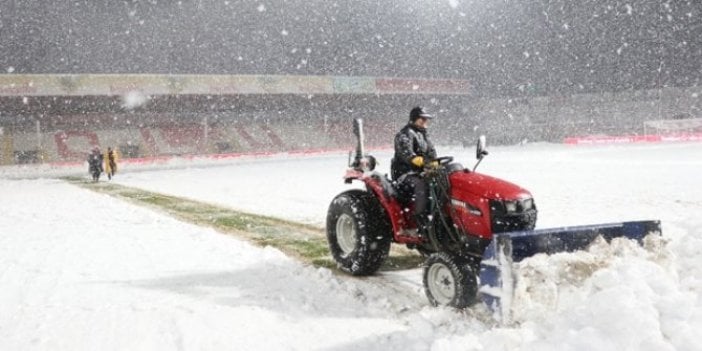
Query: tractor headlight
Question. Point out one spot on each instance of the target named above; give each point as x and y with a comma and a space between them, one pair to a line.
528, 204
517, 206
511, 206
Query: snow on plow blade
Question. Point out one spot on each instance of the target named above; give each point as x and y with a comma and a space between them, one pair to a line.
496, 277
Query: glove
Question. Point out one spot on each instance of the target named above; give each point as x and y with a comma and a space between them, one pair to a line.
417, 161
433, 165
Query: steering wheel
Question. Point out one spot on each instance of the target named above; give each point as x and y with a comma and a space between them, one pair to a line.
444, 160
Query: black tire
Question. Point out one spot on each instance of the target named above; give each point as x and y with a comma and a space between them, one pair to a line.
358, 232
449, 281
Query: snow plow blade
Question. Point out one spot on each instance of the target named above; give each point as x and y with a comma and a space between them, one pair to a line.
496, 279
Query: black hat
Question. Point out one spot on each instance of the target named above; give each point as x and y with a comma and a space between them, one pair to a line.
418, 112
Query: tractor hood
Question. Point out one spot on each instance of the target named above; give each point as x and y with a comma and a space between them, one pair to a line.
486, 186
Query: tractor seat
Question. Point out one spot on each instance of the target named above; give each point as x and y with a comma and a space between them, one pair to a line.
390, 187
386, 183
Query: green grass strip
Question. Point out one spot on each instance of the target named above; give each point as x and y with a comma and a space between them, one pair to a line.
305, 242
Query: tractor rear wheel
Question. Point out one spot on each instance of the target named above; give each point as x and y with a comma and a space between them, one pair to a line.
359, 232
449, 281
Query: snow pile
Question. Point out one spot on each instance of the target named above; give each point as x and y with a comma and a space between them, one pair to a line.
617, 296
611, 297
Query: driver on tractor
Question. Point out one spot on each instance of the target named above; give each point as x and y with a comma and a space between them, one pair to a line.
413, 153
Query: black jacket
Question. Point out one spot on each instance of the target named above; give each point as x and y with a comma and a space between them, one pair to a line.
410, 142
95, 162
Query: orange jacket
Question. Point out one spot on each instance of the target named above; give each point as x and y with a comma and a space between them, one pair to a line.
108, 166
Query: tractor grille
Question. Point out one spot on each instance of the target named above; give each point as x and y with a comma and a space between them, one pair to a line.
502, 220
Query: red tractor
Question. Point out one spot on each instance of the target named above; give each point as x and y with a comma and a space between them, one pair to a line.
469, 211
467, 208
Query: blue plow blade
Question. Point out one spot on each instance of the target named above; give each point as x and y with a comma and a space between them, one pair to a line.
496, 279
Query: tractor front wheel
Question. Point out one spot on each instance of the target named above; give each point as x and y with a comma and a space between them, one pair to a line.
449, 281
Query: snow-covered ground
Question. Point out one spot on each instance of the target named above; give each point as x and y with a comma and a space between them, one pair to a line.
81, 270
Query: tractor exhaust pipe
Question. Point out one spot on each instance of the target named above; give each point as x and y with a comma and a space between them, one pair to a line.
360, 150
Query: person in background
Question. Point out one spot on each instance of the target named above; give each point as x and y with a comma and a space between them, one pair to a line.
95, 163
111, 162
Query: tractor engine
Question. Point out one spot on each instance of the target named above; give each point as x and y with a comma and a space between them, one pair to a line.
482, 205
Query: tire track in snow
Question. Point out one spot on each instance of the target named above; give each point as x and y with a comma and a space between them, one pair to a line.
303, 242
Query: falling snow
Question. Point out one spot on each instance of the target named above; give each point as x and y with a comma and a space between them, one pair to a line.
178, 84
